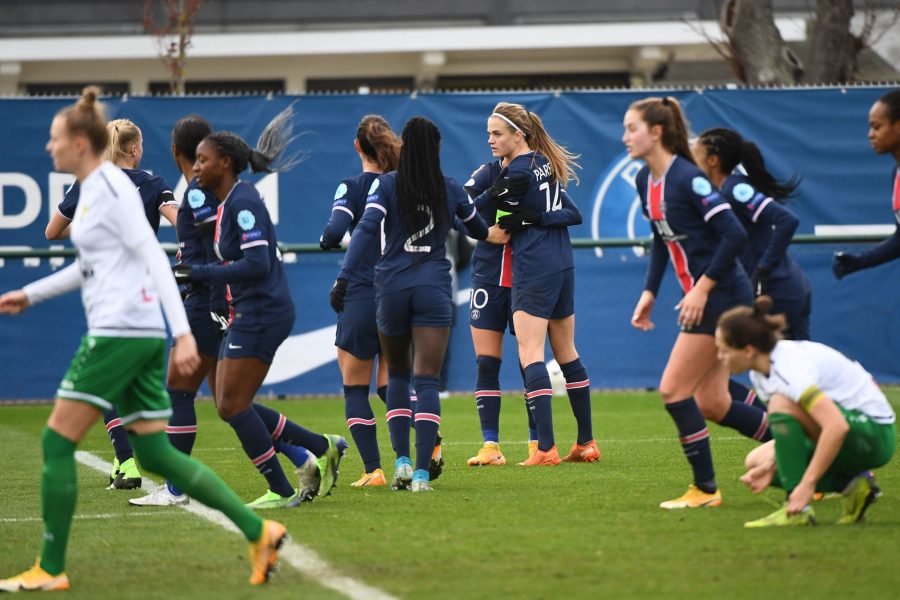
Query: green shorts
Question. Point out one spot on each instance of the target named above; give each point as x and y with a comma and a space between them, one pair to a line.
121, 373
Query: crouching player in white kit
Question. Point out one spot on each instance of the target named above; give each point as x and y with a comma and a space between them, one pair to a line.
830, 422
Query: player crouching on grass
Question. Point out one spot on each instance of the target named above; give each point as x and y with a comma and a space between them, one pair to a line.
830, 422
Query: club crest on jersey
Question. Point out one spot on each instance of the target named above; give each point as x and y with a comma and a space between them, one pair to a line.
341, 191
743, 192
246, 220
196, 198
701, 186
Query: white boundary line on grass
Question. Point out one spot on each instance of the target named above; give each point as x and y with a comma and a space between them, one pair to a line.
303, 559
125, 515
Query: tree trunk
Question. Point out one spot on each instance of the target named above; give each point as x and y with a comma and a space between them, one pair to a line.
759, 54
833, 49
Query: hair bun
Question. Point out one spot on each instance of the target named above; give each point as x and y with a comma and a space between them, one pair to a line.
762, 305
89, 97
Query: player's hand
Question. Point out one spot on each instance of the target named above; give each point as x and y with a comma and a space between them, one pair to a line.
800, 497
12, 303
759, 477
324, 246
220, 315
760, 282
843, 264
691, 307
641, 317
185, 359
183, 273
338, 291
518, 219
506, 187
496, 235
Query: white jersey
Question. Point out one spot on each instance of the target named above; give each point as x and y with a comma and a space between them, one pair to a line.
803, 371
119, 296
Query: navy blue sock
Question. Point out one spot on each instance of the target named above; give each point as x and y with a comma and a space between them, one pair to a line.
296, 454
578, 387
532, 428
487, 397
257, 443
182, 427
118, 436
741, 393
282, 428
382, 393
694, 438
428, 418
748, 420
361, 422
399, 411
539, 395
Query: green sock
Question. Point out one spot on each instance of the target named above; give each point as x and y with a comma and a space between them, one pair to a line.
792, 449
58, 494
157, 454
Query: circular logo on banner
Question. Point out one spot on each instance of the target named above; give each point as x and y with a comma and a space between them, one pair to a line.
373, 187
743, 192
196, 198
617, 207
246, 220
701, 186
341, 191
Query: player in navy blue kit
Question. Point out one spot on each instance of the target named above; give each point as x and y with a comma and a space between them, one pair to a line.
205, 305
695, 227
757, 200
125, 149
412, 285
356, 339
884, 136
262, 312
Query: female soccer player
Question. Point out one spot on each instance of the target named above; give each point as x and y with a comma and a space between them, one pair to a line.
830, 422
125, 149
757, 200
124, 276
543, 274
412, 286
697, 228
884, 136
262, 312
356, 339
205, 305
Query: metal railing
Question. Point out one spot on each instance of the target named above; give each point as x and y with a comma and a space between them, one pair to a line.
578, 243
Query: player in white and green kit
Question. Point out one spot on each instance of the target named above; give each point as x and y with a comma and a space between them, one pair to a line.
124, 276
830, 421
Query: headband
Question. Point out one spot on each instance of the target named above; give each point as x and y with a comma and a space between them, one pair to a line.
511, 124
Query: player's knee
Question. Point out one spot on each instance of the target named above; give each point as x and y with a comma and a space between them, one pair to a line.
227, 407
713, 411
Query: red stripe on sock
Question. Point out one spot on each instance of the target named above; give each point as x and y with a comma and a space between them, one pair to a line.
280, 427
399, 412
762, 428
113, 424
578, 384
695, 437
181, 429
428, 417
751, 396
487, 393
264, 457
530, 395
352, 422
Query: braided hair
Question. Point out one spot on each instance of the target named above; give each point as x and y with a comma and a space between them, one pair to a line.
421, 193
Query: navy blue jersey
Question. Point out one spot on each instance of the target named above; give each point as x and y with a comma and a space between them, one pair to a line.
491, 263
245, 242
195, 225
408, 260
541, 250
769, 226
348, 208
153, 190
693, 222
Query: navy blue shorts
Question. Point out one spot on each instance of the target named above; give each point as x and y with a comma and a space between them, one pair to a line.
255, 342
794, 301
550, 297
490, 308
206, 331
423, 306
720, 300
357, 332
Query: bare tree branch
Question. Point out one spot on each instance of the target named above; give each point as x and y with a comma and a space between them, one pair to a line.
173, 29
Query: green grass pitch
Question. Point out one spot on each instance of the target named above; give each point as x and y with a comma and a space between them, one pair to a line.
584, 530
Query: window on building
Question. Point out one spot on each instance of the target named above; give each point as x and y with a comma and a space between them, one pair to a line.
252, 86
114, 88
528, 81
361, 85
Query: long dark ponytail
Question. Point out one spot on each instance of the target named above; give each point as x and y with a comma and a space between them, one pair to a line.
268, 156
732, 149
420, 182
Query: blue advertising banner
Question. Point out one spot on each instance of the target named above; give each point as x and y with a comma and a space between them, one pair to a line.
819, 134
